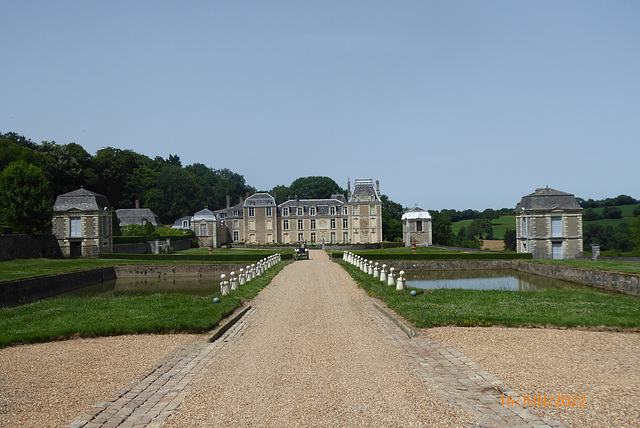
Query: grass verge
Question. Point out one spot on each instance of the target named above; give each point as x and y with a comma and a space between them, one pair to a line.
467, 308
64, 318
612, 265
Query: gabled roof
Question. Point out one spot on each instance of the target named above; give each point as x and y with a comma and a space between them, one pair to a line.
81, 199
416, 213
137, 216
204, 214
178, 223
546, 199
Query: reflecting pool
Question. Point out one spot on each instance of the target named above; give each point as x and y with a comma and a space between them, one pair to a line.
197, 286
485, 280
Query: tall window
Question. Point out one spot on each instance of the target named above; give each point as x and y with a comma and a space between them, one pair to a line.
300, 211
252, 212
300, 224
268, 211
332, 210
74, 227
312, 211
313, 237
236, 224
345, 223
203, 229
285, 224
333, 237
556, 227
300, 237
313, 223
419, 226
345, 237
285, 212
525, 227
346, 210
236, 236
333, 223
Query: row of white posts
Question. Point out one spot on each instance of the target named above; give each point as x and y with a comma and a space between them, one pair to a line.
246, 275
373, 269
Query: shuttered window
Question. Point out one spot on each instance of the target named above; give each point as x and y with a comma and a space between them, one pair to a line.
74, 227
556, 226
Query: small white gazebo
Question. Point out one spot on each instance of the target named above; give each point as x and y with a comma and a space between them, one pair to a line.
416, 227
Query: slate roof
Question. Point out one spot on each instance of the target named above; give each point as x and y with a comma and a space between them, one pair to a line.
322, 206
81, 199
137, 216
416, 213
204, 214
545, 199
259, 200
364, 191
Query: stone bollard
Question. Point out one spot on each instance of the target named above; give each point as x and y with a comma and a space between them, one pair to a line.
383, 273
224, 285
247, 272
242, 279
253, 270
391, 280
233, 281
400, 282
376, 271
370, 268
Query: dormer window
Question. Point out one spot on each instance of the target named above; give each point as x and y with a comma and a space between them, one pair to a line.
300, 211
312, 211
332, 210
285, 212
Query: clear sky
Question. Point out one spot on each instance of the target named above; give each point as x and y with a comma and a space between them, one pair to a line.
450, 104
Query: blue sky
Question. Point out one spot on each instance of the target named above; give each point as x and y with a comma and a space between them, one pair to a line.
450, 104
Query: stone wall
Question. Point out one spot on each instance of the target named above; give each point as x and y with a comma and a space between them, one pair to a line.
175, 270
18, 292
28, 247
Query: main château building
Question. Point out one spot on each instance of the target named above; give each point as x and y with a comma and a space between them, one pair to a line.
259, 220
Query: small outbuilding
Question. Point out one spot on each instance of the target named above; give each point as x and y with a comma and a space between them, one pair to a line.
82, 224
549, 225
137, 215
206, 227
416, 227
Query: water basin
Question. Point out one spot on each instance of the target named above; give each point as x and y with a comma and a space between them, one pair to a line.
197, 286
497, 279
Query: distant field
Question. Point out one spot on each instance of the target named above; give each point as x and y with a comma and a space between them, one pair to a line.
509, 221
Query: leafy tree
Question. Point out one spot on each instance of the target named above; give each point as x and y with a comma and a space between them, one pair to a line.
442, 231
590, 215
25, 197
149, 228
132, 230
636, 211
314, 187
178, 193
510, 239
612, 212
635, 233
281, 193
391, 219
10, 151
114, 168
141, 186
61, 168
19, 140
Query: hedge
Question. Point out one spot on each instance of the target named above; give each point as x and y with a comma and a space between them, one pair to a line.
204, 258
438, 256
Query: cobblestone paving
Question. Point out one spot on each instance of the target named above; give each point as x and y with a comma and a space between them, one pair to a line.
461, 381
149, 402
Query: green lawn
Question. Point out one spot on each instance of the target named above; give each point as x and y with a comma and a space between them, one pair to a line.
618, 266
63, 318
562, 308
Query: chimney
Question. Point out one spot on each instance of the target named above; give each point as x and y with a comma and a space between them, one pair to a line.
137, 204
297, 199
240, 198
378, 187
348, 188
228, 201
246, 195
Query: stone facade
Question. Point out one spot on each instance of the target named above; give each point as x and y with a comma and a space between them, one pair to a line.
549, 225
207, 228
417, 227
82, 224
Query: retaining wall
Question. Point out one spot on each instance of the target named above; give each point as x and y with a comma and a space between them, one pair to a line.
18, 292
29, 247
175, 270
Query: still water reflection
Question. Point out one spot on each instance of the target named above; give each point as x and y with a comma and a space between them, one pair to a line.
197, 286
485, 280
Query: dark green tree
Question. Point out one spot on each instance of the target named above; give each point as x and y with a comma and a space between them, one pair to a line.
612, 212
391, 219
178, 193
635, 233
114, 168
314, 187
510, 240
25, 197
441, 229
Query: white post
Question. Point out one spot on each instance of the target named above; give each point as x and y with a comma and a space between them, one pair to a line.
383, 273
392, 279
224, 285
400, 284
233, 282
242, 278
376, 271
